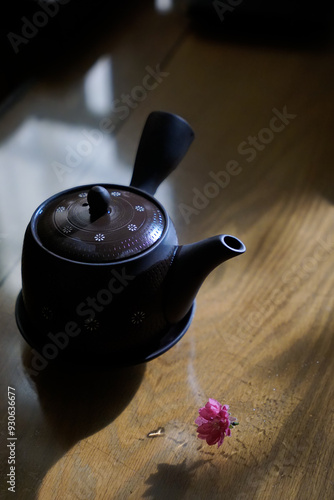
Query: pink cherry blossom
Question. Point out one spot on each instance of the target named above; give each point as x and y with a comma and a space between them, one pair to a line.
214, 422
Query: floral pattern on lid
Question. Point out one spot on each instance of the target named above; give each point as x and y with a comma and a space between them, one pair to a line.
99, 237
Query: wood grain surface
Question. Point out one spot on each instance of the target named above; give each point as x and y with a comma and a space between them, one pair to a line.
262, 339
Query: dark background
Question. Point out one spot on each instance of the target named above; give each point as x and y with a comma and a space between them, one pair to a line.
78, 23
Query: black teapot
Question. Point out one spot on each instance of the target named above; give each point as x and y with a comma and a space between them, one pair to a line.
103, 276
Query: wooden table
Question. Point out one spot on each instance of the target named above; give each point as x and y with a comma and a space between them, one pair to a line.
262, 339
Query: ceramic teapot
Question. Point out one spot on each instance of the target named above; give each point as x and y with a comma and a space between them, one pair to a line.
103, 276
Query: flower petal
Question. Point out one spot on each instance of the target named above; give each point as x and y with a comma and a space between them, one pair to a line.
213, 438
207, 412
200, 421
213, 403
206, 429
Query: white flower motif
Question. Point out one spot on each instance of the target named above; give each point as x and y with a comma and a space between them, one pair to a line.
137, 318
46, 312
139, 208
116, 193
82, 195
60, 209
91, 325
132, 227
67, 229
99, 237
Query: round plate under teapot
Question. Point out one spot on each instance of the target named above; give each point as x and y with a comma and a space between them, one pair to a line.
132, 357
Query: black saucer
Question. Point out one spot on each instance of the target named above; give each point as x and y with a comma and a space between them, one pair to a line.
132, 357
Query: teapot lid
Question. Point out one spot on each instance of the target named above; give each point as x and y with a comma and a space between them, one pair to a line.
99, 224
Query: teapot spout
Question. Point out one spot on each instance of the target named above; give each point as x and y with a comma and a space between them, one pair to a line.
192, 264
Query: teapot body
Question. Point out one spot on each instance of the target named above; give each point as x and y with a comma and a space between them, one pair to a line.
95, 308
103, 277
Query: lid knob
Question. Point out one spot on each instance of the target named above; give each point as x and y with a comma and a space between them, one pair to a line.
99, 201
